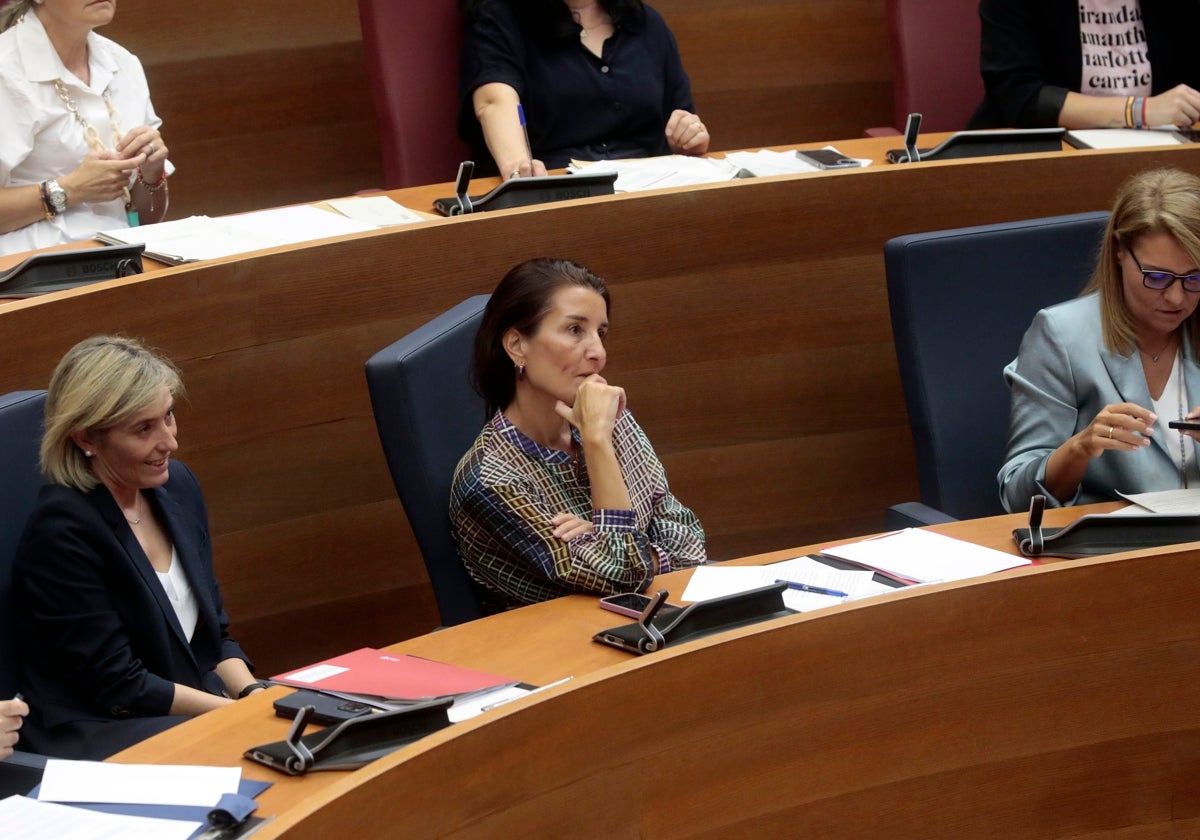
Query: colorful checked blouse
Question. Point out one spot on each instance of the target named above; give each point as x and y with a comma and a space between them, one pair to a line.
507, 488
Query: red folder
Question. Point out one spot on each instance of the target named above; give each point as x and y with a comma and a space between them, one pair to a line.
393, 676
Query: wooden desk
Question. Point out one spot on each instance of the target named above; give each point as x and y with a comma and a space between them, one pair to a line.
750, 328
1055, 701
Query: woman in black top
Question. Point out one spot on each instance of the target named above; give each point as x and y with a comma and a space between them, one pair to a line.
597, 79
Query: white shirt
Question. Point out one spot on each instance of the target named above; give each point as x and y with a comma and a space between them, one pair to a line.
179, 593
1172, 405
40, 139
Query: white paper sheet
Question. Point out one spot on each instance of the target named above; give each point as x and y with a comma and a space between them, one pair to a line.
709, 582
926, 556
136, 784
1163, 501
376, 210
29, 819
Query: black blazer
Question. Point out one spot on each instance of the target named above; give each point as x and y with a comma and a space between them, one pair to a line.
99, 642
1031, 56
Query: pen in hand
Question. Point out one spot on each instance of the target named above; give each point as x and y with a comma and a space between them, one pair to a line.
525, 131
816, 590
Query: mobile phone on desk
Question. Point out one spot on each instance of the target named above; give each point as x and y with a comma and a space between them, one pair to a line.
327, 708
1185, 425
632, 604
827, 159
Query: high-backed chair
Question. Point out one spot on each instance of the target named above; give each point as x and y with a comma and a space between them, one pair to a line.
428, 415
960, 302
935, 63
412, 52
20, 479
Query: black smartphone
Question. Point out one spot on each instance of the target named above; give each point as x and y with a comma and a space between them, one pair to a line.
827, 159
1186, 425
327, 708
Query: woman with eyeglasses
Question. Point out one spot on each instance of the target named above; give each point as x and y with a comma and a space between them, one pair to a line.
1098, 378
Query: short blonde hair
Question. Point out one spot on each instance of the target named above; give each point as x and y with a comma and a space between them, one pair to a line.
11, 12
100, 382
1157, 201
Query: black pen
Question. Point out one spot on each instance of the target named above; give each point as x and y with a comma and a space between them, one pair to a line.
816, 590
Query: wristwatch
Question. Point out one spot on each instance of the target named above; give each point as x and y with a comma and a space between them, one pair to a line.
56, 196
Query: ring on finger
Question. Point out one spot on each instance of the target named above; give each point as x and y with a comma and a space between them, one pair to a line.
1111, 429
149, 149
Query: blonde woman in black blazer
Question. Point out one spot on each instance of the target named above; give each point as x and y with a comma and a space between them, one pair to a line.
121, 626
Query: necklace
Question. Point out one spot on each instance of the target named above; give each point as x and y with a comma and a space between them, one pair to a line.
1154, 357
92, 136
577, 16
137, 521
1183, 459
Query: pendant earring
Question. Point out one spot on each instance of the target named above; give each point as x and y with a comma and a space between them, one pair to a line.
520, 371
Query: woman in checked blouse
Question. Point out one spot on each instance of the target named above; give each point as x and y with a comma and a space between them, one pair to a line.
562, 491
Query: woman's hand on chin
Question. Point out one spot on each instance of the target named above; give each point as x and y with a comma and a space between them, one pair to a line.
596, 409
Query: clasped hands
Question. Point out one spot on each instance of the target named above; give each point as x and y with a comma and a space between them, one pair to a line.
595, 412
105, 175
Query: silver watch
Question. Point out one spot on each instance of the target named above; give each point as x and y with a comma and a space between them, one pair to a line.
57, 196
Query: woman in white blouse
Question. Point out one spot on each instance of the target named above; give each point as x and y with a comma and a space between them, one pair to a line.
80, 148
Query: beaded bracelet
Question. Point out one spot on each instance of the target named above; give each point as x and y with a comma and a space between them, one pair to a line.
157, 185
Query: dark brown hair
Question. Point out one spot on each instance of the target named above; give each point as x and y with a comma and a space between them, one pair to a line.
520, 302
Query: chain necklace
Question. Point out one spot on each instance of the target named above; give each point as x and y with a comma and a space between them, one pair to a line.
92, 136
1182, 437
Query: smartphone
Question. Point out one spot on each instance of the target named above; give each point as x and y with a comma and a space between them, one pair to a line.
827, 159
326, 708
1187, 425
631, 604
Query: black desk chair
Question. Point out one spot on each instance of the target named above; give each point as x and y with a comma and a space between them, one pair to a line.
428, 414
960, 302
20, 480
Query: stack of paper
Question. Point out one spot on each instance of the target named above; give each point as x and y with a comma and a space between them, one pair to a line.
89, 799
669, 171
203, 238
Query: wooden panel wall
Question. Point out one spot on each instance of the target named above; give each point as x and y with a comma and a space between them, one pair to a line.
750, 328
267, 102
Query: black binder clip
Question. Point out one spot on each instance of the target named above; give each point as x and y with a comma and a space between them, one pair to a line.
301, 758
462, 201
911, 129
1032, 547
653, 637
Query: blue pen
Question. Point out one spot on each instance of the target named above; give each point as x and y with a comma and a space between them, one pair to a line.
816, 590
524, 129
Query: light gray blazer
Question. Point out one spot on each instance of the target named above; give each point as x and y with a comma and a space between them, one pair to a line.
1061, 378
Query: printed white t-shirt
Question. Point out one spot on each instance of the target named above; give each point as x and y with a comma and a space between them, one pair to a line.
1115, 59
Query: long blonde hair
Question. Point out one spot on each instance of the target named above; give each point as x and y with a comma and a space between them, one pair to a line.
100, 382
12, 11
1157, 201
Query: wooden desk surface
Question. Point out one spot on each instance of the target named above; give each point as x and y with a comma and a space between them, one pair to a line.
750, 329
1052, 701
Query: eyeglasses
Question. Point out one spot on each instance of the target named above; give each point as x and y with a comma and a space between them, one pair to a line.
1160, 280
